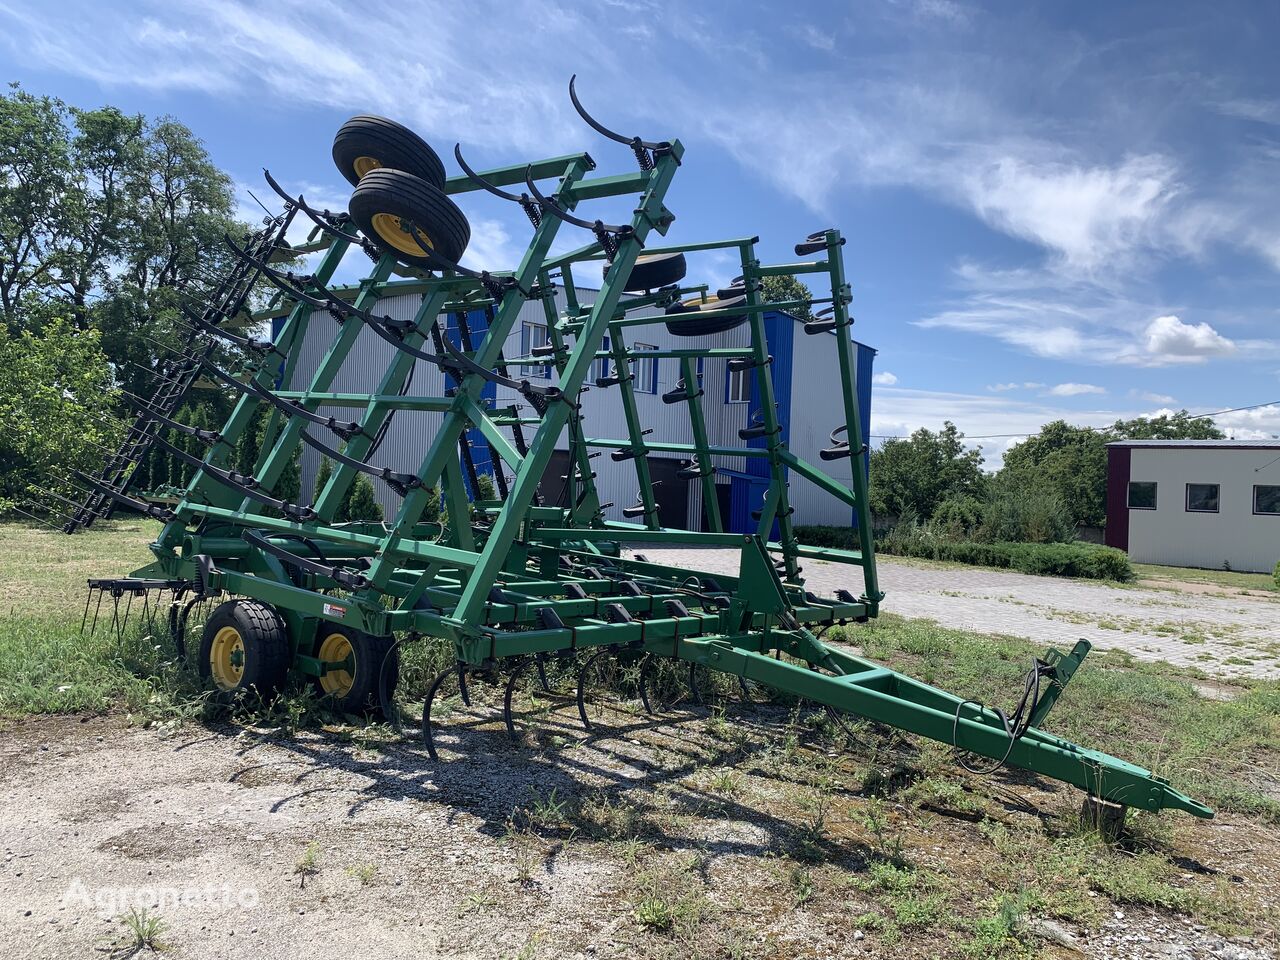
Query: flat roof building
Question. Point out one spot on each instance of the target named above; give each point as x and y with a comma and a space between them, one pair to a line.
1195, 503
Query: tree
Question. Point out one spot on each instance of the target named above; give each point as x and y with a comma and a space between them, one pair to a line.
1071, 462
35, 170
784, 288
912, 477
101, 201
1068, 461
359, 502
51, 390
1177, 426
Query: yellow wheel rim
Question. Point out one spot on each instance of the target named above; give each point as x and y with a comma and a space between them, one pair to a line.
363, 165
226, 658
392, 231
334, 649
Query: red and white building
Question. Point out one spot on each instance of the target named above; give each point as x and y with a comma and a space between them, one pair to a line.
1195, 503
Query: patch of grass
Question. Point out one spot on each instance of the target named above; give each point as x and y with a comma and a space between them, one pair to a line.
803, 888
308, 864
670, 899
1219, 751
995, 935
1222, 578
364, 872
143, 929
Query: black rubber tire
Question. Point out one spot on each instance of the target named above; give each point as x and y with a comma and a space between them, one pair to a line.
265, 647
652, 271
703, 328
400, 195
368, 139
370, 653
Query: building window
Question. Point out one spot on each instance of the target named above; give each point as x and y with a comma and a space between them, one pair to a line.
737, 387
1142, 495
601, 366
534, 335
1266, 500
646, 370
1202, 498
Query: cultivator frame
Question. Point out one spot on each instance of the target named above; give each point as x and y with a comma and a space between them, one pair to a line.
520, 578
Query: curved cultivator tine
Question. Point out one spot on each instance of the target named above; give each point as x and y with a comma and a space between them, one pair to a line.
646, 151
428, 725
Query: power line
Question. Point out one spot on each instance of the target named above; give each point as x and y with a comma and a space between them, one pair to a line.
1007, 436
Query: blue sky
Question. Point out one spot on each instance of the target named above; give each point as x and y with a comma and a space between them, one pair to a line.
1053, 210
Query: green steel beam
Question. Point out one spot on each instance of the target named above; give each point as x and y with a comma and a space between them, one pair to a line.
698, 424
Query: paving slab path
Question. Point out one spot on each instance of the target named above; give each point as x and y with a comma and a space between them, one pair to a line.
1224, 633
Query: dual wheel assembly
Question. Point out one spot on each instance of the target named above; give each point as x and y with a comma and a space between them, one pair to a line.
245, 648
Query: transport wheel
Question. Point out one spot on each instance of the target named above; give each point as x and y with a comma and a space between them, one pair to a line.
385, 202
653, 271
354, 689
245, 647
369, 142
702, 328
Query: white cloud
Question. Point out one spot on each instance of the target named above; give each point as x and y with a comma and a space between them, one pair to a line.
884, 379
1177, 342
491, 247
1005, 387
1087, 214
1152, 397
1075, 389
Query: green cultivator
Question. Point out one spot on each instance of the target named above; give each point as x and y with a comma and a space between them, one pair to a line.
512, 581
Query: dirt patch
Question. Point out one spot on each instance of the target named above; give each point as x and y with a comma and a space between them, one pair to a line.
719, 836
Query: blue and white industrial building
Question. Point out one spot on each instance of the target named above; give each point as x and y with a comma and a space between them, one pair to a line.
806, 380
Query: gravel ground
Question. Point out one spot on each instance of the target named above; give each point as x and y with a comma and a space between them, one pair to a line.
417, 860
1221, 633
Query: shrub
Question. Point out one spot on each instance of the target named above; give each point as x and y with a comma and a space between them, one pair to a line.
841, 538
956, 518
1275, 574
362, 503
1044, 559
1026, 515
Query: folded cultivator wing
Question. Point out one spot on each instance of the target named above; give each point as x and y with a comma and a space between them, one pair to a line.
517, 582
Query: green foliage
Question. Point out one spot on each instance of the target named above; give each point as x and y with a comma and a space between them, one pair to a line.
910, 478
52, 386
914, 539
103, 215
1178, 426
322, 478
959, 517
784, 288
485, 489
841, 538
1025, 515
1069, 462
1275, 574
360, 503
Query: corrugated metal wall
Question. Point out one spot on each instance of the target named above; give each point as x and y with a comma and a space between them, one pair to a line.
812, 394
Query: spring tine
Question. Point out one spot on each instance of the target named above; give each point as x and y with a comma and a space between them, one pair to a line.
37, 519
96, 611
481, 181
582, 681
428, 734
88, 597
509, 695
604, 131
